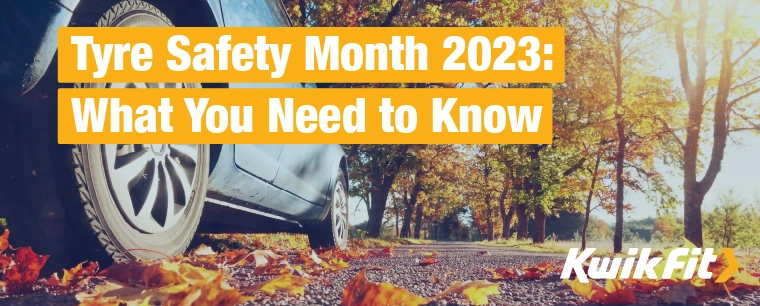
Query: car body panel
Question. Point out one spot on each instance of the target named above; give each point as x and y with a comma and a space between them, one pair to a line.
25, 58
259, 160
305, 170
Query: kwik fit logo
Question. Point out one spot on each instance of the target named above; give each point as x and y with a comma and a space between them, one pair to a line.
685, 262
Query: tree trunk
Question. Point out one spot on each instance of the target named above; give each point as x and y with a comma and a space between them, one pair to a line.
539, 226
506, 225
620, 124
418, 221
505, 219
375, 222
588, 200
407, 225
522, 222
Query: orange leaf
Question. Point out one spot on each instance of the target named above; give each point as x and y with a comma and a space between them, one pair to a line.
426, 261
4, 240
100, 301
613, 293
538, 271
361, 292
21, 276
211, 291
504, 273
72, 276
287, 282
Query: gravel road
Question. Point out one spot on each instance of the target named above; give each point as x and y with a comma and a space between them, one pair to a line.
458, 260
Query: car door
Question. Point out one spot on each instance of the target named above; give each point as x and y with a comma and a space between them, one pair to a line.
306, 170
259, 160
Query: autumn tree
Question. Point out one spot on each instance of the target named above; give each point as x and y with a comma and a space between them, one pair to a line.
724, 89
373, 169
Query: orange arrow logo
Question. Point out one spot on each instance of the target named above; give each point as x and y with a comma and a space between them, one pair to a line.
733, 266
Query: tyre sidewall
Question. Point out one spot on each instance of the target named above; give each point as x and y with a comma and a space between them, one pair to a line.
123, 235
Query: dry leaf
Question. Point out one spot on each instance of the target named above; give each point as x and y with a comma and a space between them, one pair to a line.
426, 261
114, 291
203, 250
209, 292
74, 275
505, 273
744, 279
155, 274
21, 276
99, 301
288, 283
361, 292
613, 293
482, 253
475, 291
4, 240
538, 271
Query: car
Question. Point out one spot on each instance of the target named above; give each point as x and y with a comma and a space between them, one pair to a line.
127, 201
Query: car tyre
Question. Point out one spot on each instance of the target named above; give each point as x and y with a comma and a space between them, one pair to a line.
333, 230
61, 199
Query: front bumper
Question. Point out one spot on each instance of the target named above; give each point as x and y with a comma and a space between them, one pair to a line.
28, 42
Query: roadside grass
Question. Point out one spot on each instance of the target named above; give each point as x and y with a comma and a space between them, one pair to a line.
290, 242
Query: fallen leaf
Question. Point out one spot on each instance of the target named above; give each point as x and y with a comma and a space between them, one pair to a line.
475, 291
287, 282
436, 280
504, 273
386, 252
679, 293
426, 261
4, 240
155, 274
744, 279
539, 271
613, 293
21, 276
361, 292
212, 291
482, 253
111, 290
5, 261
99, 301
74, 275
203, 250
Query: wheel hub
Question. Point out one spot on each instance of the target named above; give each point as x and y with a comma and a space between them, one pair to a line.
151, 184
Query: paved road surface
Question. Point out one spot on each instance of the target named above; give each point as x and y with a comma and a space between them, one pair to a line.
457, 261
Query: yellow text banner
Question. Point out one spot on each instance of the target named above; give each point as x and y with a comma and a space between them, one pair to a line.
305, 116
326, 55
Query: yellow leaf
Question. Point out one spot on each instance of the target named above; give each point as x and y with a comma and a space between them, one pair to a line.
287, 282
475, 291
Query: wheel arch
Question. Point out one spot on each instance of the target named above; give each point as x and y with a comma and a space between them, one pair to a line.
188, 13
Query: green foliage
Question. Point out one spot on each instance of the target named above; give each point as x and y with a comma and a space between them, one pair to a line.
667, 228
732, 224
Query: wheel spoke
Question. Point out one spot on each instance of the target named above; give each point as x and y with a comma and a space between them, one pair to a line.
185, 152
180, 175
132, 165
170, 202
151, 198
